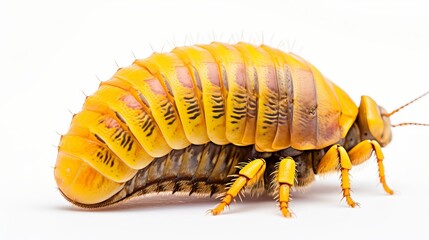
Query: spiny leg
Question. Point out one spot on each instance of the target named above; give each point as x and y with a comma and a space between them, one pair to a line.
286, 179
334, 156
248, 175
362, 152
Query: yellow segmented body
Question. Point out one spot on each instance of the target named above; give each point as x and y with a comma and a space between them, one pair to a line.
220, 94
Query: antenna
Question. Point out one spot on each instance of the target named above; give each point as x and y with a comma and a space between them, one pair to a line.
410, 123
401, 107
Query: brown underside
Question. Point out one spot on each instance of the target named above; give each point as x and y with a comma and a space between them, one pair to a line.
205, 170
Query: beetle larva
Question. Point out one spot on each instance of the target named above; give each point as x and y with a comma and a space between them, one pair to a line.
200, 117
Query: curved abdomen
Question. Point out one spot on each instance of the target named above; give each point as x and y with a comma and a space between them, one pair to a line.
225, 94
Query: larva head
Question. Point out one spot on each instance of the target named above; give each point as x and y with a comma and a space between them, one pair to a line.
374, 120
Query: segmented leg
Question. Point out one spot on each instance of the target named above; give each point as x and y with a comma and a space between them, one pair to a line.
362, 152
286, 179
248, 175
338, 155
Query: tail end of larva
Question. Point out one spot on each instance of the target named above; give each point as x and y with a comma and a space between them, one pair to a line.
80, 183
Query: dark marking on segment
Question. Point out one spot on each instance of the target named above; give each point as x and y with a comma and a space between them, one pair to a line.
171, 122
124, 139
112, 163
218, 116
268, 122
170, 114
192, 107
188, 98
117, 133
105, 157
270, 114
164, 104
99, 138
217, 99
272, 108
101, 156
238, 112
128, 141
169, 111
146, 124
237, 117
130, 146
194, 116
193, 111
120, 117
270, 118
169, 117
239, 96
110, 159
150, 131
271, 101
251, 108
240, 109
239, 101
142, 117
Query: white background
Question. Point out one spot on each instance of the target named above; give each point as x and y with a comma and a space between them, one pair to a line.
52, 51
